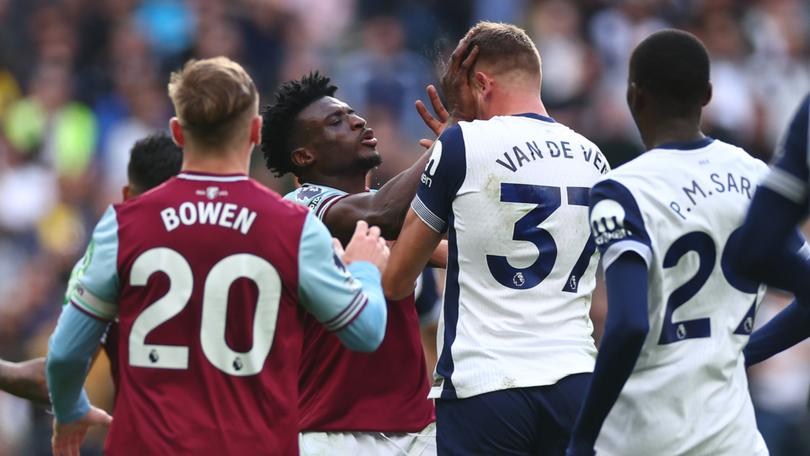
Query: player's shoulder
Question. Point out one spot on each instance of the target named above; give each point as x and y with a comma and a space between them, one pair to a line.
272, 200
314, 197
311, 193
732, 157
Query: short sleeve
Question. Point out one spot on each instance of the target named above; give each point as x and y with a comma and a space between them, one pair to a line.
443, 176
327, 289
789, 174
95, 288
317, 198
616, 223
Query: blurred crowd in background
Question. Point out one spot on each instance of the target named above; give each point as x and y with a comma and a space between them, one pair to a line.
82, 80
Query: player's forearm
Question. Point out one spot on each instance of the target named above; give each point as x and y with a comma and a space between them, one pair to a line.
70, 351
786, 329
626, 328
365, 333
410, 255
390, 203
25, 379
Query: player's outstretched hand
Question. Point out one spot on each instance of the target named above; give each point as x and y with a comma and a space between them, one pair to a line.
67, 438
436, 124
456, 82
367, 245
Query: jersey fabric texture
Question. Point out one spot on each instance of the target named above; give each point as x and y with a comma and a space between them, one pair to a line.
677, 206
512, 194
203, 275
345, 391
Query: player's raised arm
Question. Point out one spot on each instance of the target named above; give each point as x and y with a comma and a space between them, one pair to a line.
426, 221
387, 207
348, 300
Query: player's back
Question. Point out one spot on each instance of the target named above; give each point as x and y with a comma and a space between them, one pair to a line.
210, 338
677, 206
521, 266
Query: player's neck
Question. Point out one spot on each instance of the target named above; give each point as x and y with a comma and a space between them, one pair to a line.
670, 130
230, 163
354, 183
511, 103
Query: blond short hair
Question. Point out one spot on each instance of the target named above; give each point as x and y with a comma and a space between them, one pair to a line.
505, 46
214, 99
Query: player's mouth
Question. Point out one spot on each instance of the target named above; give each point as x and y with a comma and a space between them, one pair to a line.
367, 138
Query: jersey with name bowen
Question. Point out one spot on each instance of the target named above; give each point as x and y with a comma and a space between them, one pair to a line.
206, 285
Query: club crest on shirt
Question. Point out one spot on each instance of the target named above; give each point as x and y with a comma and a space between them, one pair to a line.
308, 191
212, 192
607, 222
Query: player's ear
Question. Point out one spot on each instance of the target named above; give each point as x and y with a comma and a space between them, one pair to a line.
302, 157
125, 192
256, 130
633, 97
708, 97
482, 82
177, 132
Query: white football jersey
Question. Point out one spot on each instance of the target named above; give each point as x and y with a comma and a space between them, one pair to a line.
677, 206
512, 194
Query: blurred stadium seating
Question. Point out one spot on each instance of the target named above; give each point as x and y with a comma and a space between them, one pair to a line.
81, 80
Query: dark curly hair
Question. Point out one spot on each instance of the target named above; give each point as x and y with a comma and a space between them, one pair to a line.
279, 118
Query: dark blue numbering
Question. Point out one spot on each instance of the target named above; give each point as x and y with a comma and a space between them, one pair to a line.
702, 244
548, 199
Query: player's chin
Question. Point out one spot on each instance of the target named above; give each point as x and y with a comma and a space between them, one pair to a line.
369, 158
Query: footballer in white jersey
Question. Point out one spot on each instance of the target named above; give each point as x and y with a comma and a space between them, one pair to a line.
509, 188
677, 206
512, 193
670, 376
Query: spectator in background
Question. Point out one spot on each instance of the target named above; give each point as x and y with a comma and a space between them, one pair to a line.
109, 50
385, 68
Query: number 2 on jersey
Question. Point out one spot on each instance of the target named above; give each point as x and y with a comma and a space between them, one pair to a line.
702, 244
214, 311
548, 199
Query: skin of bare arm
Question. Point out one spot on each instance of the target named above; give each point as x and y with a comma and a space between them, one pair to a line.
438, 259
414, 247
25, 379
385, 208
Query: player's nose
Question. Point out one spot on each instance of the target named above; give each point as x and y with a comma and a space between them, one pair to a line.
357, 122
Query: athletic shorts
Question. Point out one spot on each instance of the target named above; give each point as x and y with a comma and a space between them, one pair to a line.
520, 421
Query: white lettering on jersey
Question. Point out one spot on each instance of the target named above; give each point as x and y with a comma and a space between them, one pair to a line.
208, 213
433, 164
170, 220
